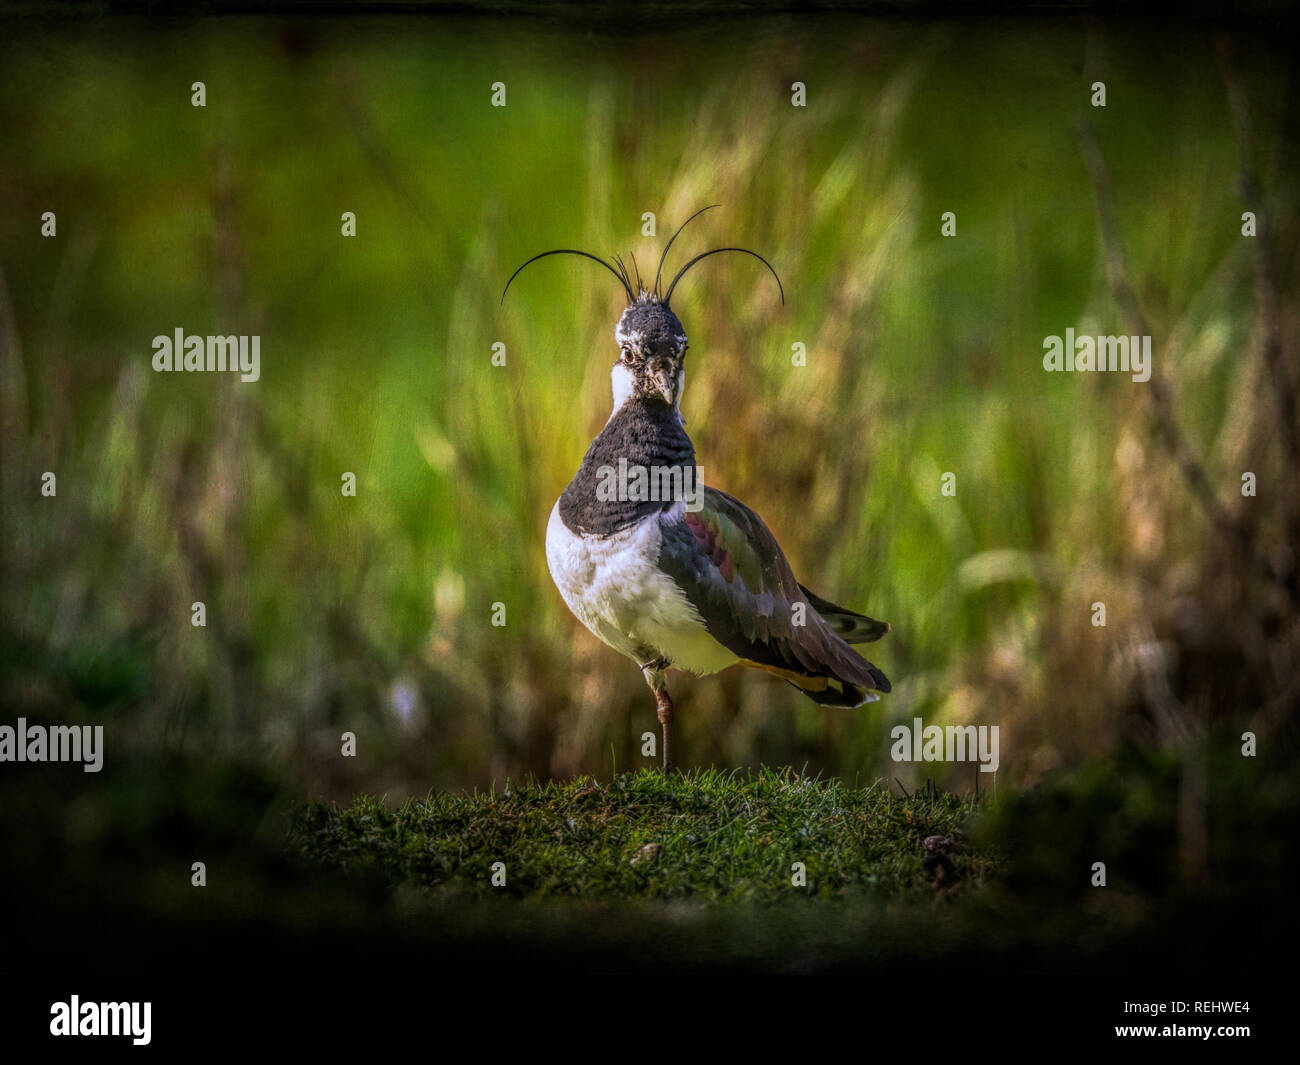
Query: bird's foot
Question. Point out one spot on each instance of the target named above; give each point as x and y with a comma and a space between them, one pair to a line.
653, 671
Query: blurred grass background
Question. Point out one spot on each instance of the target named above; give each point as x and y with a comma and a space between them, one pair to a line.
372, 614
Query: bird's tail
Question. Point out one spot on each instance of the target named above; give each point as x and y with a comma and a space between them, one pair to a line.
841, 694
831, 690
849, 626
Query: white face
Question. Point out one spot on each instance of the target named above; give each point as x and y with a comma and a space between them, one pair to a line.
620, 378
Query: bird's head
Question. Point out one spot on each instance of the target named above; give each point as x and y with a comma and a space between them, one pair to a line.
651, 353
651, 340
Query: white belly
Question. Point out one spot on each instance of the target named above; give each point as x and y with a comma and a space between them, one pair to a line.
614, 586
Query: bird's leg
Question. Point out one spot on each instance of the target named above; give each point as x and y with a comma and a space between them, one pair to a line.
665, 705
654, 676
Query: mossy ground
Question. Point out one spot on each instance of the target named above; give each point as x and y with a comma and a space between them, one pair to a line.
708, 836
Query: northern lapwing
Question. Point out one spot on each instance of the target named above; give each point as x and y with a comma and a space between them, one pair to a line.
690, 579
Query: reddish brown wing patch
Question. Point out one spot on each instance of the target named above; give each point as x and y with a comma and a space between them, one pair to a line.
707, 537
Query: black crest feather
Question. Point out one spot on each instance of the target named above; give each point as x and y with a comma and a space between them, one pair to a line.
669, 295
620, 273
631, 281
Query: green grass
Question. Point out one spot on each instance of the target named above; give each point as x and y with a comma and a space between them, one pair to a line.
707, 836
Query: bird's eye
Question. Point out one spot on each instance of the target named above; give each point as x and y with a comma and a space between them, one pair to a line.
626, 354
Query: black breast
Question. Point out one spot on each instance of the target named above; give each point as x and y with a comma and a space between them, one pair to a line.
645, 433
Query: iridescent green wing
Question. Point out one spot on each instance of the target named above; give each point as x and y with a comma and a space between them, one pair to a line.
730, 567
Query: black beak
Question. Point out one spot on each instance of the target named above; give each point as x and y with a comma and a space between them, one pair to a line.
665, 379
